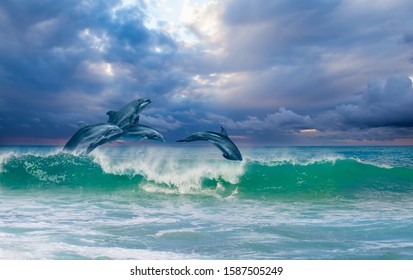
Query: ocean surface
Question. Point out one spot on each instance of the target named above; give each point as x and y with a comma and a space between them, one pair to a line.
160, 202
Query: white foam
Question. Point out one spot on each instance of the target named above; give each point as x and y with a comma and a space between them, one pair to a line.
42, 175
367, 162
162, 233
294, 160
169, 168
4, 157
44, 249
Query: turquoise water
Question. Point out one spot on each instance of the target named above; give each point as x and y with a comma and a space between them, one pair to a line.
190, 203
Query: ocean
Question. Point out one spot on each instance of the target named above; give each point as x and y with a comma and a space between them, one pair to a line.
186, 202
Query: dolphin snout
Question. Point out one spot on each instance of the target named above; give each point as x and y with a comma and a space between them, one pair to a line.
145, 102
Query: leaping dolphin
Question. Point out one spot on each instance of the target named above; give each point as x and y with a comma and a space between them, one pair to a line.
220, 140
129, 114
142, 132
88, 137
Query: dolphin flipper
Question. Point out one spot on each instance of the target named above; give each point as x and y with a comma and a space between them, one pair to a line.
90, 149
134, 119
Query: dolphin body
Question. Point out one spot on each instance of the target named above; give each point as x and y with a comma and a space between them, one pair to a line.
88, 137
220, 140
141, 132
129, 114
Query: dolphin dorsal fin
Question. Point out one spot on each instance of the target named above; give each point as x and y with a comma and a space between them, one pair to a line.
223, 131
111, 114
82, 124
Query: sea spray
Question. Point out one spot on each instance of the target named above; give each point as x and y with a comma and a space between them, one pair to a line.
165, 167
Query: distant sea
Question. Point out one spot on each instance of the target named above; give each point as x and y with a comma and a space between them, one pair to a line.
187, 202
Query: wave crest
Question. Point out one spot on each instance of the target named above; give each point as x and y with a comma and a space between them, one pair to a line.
166, 168
186, 171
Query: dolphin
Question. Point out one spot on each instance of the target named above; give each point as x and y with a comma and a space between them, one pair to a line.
141, 132
129, 114
88, 137
220, 140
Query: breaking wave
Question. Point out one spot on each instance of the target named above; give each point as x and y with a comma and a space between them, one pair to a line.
174, 171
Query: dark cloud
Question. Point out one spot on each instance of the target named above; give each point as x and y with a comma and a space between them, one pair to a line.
382, 104
269, 71
65, 61
302, 55
283, 119
382, 113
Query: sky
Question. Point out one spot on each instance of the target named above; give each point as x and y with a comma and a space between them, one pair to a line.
285, 72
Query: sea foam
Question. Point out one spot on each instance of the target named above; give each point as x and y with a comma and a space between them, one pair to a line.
166, 167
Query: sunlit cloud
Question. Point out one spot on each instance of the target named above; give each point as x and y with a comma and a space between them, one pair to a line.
98, 42
309, 130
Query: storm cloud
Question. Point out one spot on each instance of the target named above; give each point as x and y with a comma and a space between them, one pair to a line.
65, 61
383, 104
273, 72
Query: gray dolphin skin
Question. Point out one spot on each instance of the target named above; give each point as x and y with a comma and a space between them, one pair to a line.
141, 132
88, 137
220, 140
129, 114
